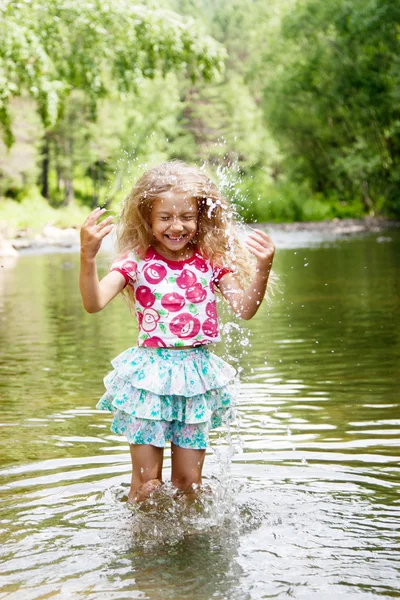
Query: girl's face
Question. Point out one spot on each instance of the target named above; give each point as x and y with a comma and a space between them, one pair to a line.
173, 221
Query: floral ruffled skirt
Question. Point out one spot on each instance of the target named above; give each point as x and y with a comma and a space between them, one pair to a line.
159, 395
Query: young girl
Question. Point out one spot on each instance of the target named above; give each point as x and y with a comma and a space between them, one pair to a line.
177, 246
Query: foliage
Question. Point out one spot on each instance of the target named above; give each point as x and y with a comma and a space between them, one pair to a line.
335, 107
305, 119
31, 212
51, 47
261, 200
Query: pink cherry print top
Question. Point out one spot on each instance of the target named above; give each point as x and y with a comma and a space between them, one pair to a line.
175, 300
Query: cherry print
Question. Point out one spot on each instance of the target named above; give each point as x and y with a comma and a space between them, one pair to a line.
185, 326
186, 279
154, 272
173, 302
211, 309
210, 327
196, 293
145, 296
154, 342
154, 302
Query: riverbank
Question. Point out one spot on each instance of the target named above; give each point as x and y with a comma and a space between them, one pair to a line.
68, 238
50, 237
336, 226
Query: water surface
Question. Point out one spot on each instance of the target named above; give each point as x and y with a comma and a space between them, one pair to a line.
304, 492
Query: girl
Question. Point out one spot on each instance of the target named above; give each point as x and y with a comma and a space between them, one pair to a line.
177, 246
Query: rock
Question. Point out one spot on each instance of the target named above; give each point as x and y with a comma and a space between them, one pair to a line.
57, 236
50, 236
6, 248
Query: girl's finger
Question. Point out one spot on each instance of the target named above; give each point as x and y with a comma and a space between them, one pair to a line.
257, 244
256, 240
98, 213
257, 254
104, 223
254, 246
260, 232
259, 251
94, 215
265, 239
255, 250
105, 231
267, 244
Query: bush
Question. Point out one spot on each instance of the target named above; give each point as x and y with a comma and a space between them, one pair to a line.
261, 200
30, 211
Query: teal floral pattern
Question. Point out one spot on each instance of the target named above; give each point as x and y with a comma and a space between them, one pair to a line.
160, 395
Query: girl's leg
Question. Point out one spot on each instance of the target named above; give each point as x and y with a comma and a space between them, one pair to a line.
187, 466
147, 464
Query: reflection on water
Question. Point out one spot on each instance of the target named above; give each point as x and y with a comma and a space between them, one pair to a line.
307, 507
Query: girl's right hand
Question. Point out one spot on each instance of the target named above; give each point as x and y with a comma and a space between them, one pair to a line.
92, 233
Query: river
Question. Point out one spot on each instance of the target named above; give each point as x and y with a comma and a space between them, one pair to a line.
303, 494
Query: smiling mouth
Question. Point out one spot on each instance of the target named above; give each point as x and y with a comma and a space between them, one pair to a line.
176, 239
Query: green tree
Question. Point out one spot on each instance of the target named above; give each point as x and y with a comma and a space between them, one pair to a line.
51, 47
335, 107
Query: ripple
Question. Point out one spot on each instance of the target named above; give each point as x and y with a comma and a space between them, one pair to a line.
303, 492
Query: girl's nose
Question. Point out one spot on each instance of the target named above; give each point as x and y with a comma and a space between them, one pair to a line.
177, 225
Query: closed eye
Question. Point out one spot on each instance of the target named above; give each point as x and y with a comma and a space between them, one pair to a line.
184, 218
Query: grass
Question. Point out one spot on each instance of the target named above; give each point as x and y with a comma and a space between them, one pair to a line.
33, 213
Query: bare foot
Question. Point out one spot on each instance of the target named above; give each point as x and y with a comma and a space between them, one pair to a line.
144, 491
194, 492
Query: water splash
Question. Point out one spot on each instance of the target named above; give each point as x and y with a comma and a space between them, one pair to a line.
169, 515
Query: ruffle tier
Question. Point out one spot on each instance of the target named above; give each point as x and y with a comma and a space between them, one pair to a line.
159, 384
169, 372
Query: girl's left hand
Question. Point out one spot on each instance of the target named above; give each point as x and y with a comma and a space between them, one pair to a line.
263, 248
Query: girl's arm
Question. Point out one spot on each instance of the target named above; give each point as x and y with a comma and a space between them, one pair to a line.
96, 294
246, 302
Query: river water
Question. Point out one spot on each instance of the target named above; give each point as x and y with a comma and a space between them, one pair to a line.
303, 494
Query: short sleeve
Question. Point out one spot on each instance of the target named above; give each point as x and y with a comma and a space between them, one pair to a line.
219, 272
127, 266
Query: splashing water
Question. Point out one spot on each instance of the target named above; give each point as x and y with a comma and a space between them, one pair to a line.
170, 515
211, 206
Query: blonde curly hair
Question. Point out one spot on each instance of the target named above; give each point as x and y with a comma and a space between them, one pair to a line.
217, 238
